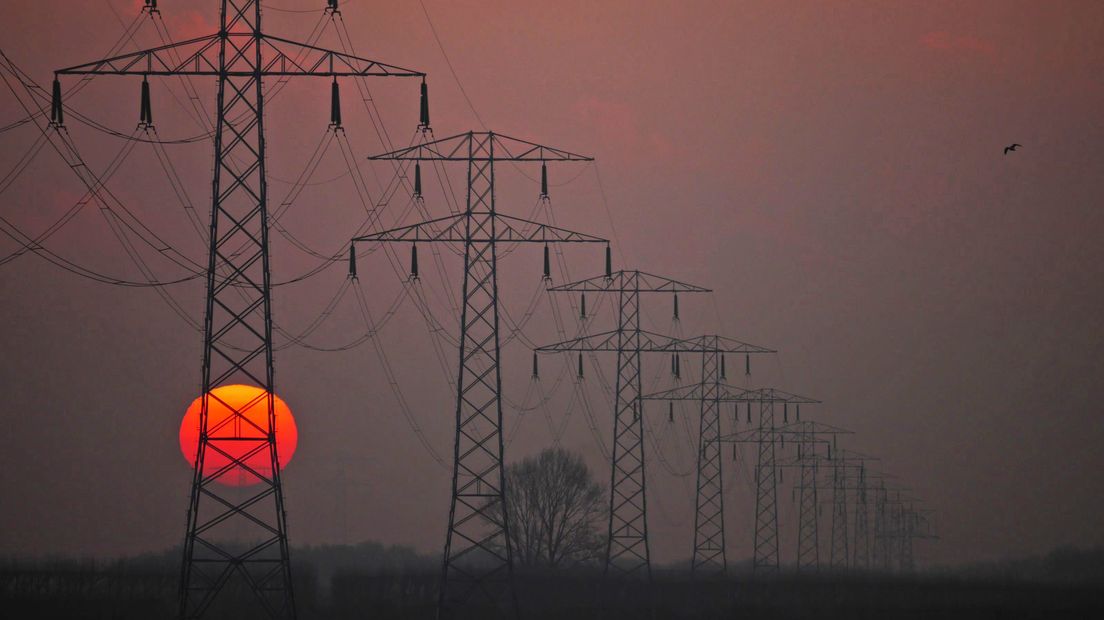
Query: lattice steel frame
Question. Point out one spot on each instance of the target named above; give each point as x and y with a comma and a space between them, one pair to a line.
808, 540
477, 564
238, 315
861, 536
627, 550
840, 555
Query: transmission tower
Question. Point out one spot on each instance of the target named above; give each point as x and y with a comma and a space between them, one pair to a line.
861, 547
808, 542
711, 346
237, 346
477, 562
709, 549
627, 534
709, 520
844, 466
809, 438
767, 436
814, 443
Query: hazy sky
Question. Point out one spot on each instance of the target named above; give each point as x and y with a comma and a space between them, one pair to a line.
833, 170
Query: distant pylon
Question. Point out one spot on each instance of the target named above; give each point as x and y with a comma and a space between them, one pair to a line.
840, 555
808, 541
627, 551
861, 547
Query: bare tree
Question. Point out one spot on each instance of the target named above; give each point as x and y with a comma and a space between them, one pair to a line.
556, 510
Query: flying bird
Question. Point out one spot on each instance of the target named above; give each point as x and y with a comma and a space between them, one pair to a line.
1011, 148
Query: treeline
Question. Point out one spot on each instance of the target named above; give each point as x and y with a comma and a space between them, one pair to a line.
370, 580
1065, 565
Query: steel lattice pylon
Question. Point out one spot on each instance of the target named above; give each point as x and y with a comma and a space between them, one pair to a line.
861, 547
709, 533
808, 541
709, 552
238, 319
477, 564
765, 436
627, 549
840, 555
883, 557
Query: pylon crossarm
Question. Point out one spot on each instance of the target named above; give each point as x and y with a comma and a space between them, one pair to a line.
630, 282
814, 428
293, 58
475, 146
449, 229
200, 56
508, 229
710, 344
605, 341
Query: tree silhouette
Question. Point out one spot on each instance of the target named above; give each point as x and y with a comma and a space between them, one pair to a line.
556, 510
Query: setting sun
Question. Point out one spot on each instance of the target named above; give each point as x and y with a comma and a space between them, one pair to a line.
238, 436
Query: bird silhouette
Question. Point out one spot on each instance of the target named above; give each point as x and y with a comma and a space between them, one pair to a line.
1011, 148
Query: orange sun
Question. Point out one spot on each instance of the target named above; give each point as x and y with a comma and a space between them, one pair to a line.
241, 437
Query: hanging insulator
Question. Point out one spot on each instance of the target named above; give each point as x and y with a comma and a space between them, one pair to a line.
424, 118
57, 118
580, 365
782, 476
676, 307
636, 413
733, 453
417, 179
724, 375
678, 366
829, 452
547, 264
335, 105
544, 180
145, 114
747, 364
609, 263
414, 261
785, 413
536, 369
670, 411
749, 412
798, 412
582, 306
352, 261
783, 438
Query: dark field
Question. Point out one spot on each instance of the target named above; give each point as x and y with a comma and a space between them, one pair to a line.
399, 584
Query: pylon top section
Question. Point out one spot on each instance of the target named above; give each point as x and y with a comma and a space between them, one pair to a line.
481, 146
630, 281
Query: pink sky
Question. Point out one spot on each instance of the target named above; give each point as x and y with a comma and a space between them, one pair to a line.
833, 170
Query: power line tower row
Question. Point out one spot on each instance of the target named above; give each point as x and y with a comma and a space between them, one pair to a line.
477, 563
237, 345
627, 549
